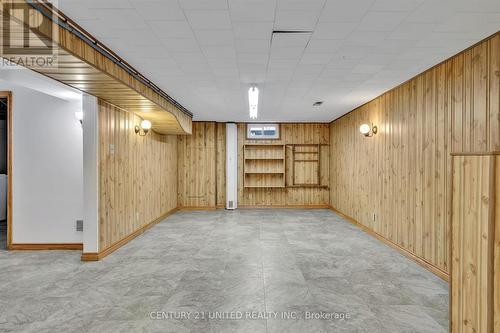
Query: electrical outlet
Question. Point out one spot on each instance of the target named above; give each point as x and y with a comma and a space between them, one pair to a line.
79, 225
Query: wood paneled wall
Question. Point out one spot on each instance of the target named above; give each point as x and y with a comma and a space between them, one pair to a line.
398, 182
138, 175
291, 133
475, 273
202, 168
197, 167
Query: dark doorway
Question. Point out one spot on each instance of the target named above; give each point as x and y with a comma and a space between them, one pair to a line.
4, 107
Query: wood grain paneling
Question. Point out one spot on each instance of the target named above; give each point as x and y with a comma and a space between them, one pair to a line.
138, 175
81, 66
202, 168
475, 210
291, 133
197, 165
398, 182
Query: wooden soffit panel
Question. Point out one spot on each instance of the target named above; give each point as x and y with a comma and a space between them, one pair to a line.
82, 63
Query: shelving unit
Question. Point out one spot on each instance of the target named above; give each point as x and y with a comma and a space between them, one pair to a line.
306, 165
264, 166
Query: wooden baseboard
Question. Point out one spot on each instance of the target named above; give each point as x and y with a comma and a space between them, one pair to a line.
187, 208
284, 206
95, 256
45, 246
422, 262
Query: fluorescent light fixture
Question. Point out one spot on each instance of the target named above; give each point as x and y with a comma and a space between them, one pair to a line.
253, 101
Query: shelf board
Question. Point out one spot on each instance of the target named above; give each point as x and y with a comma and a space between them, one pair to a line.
264, 172
264, 186
265, 158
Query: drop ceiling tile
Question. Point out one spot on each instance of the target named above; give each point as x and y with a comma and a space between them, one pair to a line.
432, 12
392, 46
181, 44
219, 52
324, 45
188, 57
296, 20
214, 37
345, 11
255, 10
360, 38
253, 58
396, 5
367, 69
300, 5
209, 19
171, 29
252, 45
203, 4
381, 21
286, 53
252, 30
333, 30
100, 4
280, 40
413, 31
315, 58
120, 19
158, 9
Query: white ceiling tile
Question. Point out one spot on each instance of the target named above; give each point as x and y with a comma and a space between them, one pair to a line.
181, 44
366, 37
381, 21
345, 11
432, 12
413, 31
252, 45
253, 58
333, 30
219, 52
188, 57
255, 10
120, 19
301, 5
281, 40
171, 29
296, 20
367, 69
252, 30
286, 53
315, 58
396, 5
214, 37
324, 45
203, 4
158, 9
209, 19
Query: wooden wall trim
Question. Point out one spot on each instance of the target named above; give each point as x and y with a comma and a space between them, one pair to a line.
424, 263
45, 246
115, 246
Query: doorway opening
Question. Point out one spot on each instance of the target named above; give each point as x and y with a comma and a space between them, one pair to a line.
5, 225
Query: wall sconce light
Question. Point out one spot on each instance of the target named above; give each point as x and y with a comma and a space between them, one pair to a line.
368, 130
144, 128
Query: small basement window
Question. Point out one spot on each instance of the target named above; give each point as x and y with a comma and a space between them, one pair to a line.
263, 131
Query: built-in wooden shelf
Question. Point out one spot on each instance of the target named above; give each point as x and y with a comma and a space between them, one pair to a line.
264, 165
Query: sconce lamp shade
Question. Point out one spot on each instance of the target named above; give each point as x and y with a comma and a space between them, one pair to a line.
365, 129
146, 125
144, 128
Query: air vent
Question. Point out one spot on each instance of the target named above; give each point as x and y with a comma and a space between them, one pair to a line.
230, 204
319, 103
79, 225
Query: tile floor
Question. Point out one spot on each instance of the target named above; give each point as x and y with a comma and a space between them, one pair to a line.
278, 266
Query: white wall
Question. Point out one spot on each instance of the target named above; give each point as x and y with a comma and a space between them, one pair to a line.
47, 166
